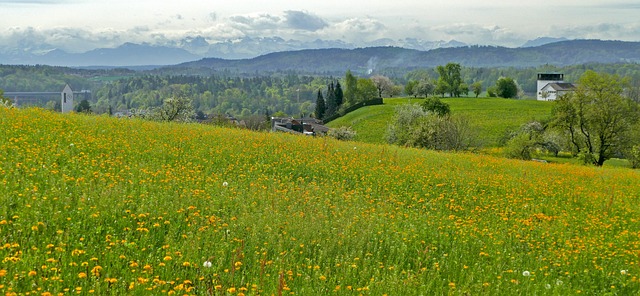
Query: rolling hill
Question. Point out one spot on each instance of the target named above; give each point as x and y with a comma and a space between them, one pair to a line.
367, 60
491, 116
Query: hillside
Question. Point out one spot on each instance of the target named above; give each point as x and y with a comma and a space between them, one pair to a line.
365, 60
492, 116
106, 206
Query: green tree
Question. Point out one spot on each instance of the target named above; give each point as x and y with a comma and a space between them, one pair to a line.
506, 88
83, 107
339, 95
597, 118
366, 90
476, 87
410, 88
450, 74
320, 106
435, 106
463, 89
351, 88
442, 87
332, 105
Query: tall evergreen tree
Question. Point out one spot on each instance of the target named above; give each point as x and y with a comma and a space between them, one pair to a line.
320, 106
332, 107
339, 95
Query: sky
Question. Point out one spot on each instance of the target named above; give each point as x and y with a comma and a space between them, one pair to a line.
81, 25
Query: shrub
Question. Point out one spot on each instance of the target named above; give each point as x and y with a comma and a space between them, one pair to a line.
342, 133
436, 106
415, 127
634, 157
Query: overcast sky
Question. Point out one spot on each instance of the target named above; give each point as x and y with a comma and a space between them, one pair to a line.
80, 25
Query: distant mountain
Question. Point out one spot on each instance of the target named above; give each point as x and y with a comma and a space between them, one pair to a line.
380, 59
330, 56
188, 49
128, 54
542, 41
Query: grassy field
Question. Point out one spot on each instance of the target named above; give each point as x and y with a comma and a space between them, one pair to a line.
492, 116
116, 206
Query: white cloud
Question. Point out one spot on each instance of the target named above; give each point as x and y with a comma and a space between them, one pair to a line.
479, 34
356, 30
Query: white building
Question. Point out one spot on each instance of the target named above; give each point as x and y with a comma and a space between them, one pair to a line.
67, 99
551, 86
552, 91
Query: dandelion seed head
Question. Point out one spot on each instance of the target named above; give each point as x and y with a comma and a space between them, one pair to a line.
225, 184
207, 264
526, 273
624, 272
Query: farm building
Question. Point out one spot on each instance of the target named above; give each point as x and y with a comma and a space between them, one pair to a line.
551, 86
307, 125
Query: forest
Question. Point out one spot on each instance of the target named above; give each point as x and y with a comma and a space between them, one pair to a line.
286, 92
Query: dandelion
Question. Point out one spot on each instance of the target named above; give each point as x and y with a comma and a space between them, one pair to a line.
32, 273
207, 264
225, 184
526, 273
624, 272
547, 286
559, 283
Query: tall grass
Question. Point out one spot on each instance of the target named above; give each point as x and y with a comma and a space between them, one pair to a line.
115, 206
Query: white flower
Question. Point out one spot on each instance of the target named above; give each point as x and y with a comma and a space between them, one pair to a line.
225, 184
547, 286
624, 272
526, 273
207, 264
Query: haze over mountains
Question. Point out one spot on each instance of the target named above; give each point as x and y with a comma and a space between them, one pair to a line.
248, 55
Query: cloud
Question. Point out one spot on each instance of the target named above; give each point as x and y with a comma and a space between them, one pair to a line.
479, 34
213, 16
256, 22
630, 32
357, 30
304, 21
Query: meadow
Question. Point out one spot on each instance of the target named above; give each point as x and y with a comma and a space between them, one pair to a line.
105, 206
492, 116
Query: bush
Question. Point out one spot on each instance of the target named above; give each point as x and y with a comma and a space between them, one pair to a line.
436, 106
634, 157
519, 147
415, 127
342, 133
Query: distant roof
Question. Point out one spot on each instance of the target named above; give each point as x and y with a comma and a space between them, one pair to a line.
564, 86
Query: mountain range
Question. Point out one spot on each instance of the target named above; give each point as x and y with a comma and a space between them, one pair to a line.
389, 59
194, 48
275, 54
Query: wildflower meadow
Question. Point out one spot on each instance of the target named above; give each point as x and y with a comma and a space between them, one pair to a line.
106, 206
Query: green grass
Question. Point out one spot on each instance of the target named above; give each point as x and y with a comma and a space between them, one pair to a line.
92, 204
492, 116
